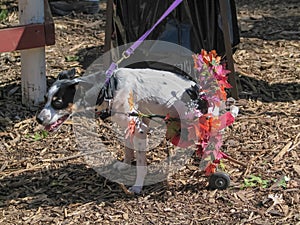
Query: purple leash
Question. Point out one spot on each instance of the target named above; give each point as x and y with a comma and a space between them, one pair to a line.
136, 44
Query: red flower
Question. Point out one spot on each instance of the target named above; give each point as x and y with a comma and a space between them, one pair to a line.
177, 140
210, 169
226, 120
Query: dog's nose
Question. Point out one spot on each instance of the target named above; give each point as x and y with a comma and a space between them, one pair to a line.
39, 119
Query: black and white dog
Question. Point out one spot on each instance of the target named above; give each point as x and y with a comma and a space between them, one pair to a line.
156, 92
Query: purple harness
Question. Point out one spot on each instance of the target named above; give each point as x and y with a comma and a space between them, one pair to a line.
136, 44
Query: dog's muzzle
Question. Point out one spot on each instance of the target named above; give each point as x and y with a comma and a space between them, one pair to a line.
43, 116
51, 121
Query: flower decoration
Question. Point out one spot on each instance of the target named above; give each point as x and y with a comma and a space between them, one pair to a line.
206, 117
212, 79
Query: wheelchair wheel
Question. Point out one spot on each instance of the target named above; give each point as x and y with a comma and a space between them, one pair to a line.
219, 180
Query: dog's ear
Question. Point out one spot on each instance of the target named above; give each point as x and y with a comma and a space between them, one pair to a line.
66, 74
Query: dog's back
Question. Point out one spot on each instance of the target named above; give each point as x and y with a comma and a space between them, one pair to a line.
154, 91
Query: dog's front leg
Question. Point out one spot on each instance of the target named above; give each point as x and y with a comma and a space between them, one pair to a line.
129, 152
141, 147
129, 155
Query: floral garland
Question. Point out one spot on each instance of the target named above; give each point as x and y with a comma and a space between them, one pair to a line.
202, 127
213, 81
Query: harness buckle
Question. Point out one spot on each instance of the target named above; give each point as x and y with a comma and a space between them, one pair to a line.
125, 55
109, 102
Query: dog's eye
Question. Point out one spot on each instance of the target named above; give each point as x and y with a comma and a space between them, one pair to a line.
57, 103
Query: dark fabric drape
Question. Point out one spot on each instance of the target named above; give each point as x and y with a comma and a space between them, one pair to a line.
134, 17
194, 24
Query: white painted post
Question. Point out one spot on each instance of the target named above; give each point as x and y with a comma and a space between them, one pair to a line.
33, 69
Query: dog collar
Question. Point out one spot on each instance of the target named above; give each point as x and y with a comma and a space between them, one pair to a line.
107, 95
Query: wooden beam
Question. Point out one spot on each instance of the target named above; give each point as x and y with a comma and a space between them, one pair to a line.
29, 35
22, 37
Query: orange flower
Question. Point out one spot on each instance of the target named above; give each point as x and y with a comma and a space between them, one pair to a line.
131, 101
210, 58
205, 57
196, 61
215, 124
222, 93
204, 124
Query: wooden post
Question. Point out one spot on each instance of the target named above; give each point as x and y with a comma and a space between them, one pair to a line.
224, 4
33, 69
108, 33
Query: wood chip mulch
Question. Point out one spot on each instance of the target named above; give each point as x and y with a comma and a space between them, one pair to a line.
44, 178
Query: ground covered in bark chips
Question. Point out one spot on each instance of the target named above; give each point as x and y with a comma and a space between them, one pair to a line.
45, 180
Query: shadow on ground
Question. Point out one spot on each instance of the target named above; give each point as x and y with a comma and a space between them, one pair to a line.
70, 184
261, 90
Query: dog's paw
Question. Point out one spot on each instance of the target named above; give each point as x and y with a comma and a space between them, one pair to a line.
135, 189
121, 166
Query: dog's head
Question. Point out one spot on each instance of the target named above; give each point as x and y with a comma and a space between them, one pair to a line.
68, 95
59, 101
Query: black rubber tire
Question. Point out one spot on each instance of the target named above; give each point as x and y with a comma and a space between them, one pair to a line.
219, 180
